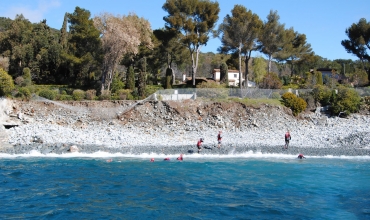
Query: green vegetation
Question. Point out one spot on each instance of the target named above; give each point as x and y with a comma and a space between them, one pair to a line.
80, 62
296, 104
6, 83
346, 101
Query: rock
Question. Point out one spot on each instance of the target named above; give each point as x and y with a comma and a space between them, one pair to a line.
73, 148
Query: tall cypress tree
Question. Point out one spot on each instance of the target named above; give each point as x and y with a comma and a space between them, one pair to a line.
130, 79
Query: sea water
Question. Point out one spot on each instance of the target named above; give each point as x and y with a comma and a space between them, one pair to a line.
251, 186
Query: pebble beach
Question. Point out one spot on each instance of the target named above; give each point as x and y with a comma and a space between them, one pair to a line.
158, 128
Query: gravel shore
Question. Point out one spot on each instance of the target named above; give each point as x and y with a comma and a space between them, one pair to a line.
172, 128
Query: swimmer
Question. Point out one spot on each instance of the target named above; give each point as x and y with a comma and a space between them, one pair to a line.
167, 158
152, 160
110, 160
199, 145
300, 156
180, 157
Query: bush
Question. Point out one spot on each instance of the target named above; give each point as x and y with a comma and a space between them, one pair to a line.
124, 94
296, 104
24, 93
271, 81
345, 102
78, 94
48, 94
150, 89
90, 94
6, 83
105, 95
321, 94
65, 97
27, 77
19, 80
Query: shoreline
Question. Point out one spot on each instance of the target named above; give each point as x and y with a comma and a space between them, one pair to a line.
171, 128
60, 149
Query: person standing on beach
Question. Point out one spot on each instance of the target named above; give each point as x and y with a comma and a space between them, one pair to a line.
199, 145
219, 138
287, 139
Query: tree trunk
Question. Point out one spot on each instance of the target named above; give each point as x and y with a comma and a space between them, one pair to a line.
247, 58
240, 68
270, 59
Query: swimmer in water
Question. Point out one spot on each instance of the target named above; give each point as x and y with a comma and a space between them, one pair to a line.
180, 157
300, 156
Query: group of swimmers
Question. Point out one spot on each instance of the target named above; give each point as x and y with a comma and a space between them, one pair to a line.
219, 140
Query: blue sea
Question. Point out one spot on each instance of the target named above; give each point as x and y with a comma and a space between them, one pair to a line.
247, 186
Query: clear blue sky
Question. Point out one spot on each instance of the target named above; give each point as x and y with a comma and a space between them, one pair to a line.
323, 21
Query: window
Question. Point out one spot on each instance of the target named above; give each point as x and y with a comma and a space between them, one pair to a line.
235, 75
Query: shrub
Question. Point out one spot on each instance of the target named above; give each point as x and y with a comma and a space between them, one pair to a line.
117, 83
296, 104
78, 94
27, 77
321, 94
19, 80
105, 95
345, 102
90, 94
24, 93
271, 81
150, 89
124, 94
48, 94
65, 97
6, 83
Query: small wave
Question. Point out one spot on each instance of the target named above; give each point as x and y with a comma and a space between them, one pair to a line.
102, 154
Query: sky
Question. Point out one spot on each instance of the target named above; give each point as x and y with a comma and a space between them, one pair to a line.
322, 21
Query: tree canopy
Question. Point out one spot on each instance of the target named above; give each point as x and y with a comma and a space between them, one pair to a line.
195, 20
359, 41
240, 32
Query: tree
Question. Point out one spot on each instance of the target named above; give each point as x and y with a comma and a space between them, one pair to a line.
272, 37
240, 32
141, 83
130, 79
170, 50
259, 69
16, 44
195, 20
83, 59
116, 41
294, 48
359, 42
224, 74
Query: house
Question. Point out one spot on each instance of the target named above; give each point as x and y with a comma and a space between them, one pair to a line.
233, 77
332, 73
327, 72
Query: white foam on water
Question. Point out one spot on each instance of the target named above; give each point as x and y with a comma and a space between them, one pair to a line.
246, 155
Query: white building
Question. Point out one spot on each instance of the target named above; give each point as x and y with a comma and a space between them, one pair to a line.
233, 77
